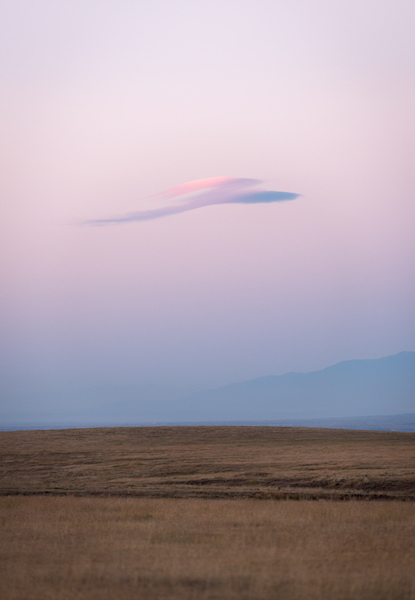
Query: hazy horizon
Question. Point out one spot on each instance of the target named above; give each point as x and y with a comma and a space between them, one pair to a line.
359, 394
105, 106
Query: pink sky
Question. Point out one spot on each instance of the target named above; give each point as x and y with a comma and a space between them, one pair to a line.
105, 105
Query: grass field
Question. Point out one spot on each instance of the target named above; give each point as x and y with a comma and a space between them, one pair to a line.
210, 462
70, 548
198, 513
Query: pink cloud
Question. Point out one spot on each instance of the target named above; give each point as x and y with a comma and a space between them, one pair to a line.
215, 190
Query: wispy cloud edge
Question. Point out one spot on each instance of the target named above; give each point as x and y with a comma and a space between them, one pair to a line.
215, 190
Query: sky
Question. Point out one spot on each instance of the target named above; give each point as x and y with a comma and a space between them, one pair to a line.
106, 105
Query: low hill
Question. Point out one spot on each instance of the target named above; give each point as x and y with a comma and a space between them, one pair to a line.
209, 462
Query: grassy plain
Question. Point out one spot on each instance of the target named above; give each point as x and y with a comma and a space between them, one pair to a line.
66, 548
210, 462
207, 513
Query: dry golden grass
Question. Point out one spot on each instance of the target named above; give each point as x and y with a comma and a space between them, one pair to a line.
66, 548
193, 528
210, 462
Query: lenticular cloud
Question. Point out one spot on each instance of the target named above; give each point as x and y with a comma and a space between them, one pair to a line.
199, 193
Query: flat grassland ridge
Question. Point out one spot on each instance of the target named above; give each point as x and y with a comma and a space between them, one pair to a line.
210, 462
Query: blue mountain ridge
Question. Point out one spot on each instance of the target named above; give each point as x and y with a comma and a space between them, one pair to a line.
384, 386
349, 389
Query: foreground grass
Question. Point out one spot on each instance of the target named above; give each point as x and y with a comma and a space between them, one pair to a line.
66, 548
210, 462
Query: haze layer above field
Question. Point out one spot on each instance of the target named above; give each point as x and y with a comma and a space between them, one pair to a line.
358, 388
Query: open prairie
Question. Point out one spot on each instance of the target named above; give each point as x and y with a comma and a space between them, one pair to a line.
209, 513
210, 462
66, 548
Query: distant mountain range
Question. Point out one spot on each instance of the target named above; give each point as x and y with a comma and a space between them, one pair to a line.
384, 386
354, 388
